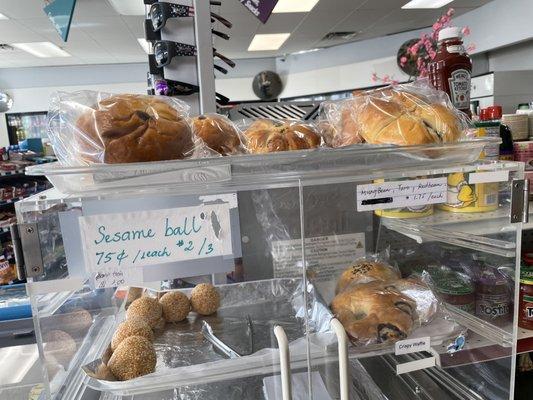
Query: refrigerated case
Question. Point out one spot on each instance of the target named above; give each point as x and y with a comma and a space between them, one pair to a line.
28, 125
279, 230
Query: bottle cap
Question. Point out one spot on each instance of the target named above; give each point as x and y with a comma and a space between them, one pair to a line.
450, 32
494, 112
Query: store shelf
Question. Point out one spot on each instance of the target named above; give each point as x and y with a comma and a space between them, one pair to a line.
449, 229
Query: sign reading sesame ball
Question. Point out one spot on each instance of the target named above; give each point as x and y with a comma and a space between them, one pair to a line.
117, 245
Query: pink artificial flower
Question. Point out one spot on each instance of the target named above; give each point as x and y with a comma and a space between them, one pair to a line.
466, 31
437, 25
394, 82
470, 48
403, 60
374, 77
413, 49
450, 12
385, 79
432, 54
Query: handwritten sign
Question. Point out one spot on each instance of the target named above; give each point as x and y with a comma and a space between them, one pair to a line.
399, 194
117, 245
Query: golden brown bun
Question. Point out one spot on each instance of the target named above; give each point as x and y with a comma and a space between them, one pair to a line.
176, 306
217, 133
205, 299
135, 356
436, 116
365, 271
147, 309
133, 128
372, 313
131, 327
265, 136
386, 122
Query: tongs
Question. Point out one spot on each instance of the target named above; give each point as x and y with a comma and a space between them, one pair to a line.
222, 347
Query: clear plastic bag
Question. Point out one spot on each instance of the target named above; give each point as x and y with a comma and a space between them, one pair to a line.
218, 134
407, 114
375, 312
268, 136
372, 267
87, 127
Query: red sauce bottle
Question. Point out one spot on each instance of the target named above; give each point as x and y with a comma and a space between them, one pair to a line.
451, 69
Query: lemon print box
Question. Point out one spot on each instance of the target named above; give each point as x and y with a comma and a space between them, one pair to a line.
465, 197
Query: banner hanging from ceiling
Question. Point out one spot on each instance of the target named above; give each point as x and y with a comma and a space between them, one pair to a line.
260, 8
60, 13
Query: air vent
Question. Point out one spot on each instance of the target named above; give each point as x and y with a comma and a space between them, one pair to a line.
340, 35
6, 47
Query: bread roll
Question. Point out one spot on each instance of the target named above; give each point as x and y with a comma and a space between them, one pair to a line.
129, 128
366, 271
265, 136
437, 117
373, 313
218, 133
386, 122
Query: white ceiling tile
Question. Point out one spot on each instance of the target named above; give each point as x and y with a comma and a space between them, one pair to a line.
14, 32
22, 8
282, 23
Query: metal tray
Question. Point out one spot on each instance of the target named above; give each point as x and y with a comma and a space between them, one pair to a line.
185, 357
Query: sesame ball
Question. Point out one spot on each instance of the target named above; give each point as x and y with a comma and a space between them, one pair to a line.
205, 299
131, 327
147, 309
134, 357
176, 306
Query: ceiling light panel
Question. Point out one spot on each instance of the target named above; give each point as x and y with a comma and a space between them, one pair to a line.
426, 4
291, 6
2, 16
42, 49
144, 44
268, 41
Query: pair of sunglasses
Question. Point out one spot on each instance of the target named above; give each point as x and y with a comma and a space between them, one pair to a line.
167, 87
166, 50
160, 12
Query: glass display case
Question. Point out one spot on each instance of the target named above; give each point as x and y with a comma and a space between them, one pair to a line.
291, 242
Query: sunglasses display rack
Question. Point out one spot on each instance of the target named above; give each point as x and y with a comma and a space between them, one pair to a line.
180, 35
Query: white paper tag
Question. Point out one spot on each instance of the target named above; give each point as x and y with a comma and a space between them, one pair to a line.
412, 345
400, 194
416, 365
488, 177
117, 245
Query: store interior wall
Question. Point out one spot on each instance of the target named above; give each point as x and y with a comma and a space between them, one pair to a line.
337, 68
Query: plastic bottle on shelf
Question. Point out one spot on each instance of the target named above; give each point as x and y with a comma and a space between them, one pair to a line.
488, 128
493, 294
494, 115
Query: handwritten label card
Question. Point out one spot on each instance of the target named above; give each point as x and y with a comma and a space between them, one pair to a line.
117, 245
400, 194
